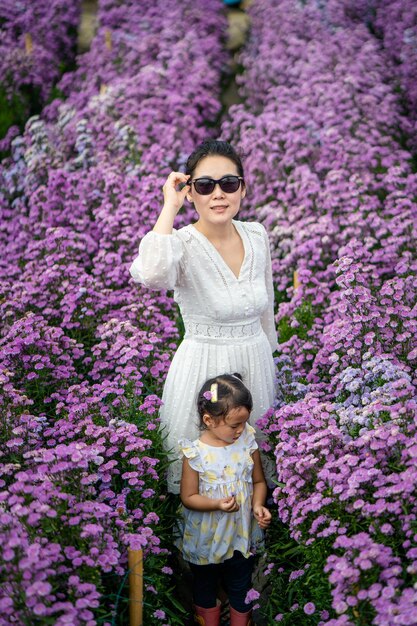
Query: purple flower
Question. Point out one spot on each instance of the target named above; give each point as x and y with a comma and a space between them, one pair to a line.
251, 596
309, 608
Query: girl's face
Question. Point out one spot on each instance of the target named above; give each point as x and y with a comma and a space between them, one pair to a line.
218, 207
230, 427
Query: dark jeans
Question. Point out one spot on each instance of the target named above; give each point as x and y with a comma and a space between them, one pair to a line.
234, 574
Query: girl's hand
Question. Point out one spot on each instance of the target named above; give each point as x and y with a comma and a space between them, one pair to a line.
173, 198
228, 505
262, 516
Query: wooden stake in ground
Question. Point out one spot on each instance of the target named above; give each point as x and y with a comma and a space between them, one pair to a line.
108, 39
28, 43
135, 561
296, 280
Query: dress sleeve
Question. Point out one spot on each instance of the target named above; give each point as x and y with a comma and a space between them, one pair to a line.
192, 453
158, 263
249, 439
267, 319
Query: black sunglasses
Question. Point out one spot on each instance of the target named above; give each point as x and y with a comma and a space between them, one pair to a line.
205, 186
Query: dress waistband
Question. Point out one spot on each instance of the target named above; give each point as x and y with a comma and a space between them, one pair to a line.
204, 331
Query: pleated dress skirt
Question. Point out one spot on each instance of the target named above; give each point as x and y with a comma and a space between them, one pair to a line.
209, 350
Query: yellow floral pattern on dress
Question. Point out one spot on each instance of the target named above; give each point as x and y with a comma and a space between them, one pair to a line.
213, 536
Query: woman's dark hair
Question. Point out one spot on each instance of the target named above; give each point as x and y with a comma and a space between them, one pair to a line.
231, 393
212, 147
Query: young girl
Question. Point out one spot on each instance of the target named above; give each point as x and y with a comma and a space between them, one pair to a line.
220, 271
223, 491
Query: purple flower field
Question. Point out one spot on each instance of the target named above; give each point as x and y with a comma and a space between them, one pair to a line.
332, 174
327, 127
37, 43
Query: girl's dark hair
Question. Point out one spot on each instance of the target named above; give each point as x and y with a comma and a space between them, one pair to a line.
213, 147
231, 393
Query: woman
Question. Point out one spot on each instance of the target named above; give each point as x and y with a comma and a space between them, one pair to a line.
220, 270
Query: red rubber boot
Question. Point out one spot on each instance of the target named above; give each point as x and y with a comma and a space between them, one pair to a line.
207, 617
240, 619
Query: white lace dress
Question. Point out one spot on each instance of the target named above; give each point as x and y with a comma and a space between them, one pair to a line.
228, 320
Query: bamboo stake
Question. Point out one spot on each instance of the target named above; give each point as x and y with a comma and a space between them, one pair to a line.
107, 39
135, 561
296, 280
103, 89
28, 43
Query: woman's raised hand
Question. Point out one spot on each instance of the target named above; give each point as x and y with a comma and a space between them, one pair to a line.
173, 201
173, 198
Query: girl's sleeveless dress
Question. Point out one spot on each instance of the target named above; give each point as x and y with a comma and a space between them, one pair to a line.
212, 536
228, 320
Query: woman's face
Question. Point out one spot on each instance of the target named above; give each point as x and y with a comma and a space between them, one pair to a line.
218, 207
